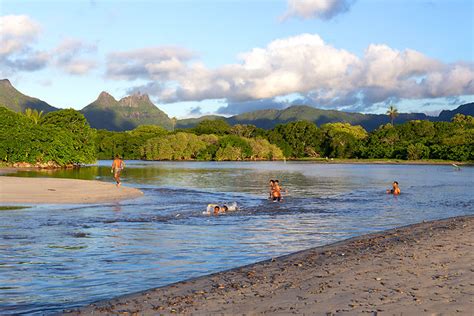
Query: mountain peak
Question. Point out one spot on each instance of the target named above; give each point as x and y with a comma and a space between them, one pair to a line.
6, 83
105, 99
135, 100
16, 101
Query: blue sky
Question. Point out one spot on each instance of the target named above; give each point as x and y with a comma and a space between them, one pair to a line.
199, 57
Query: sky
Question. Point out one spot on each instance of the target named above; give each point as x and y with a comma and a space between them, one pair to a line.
232, 56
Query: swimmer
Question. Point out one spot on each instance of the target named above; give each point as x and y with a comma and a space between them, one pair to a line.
216, 209
276, 193
395, 189
271, 186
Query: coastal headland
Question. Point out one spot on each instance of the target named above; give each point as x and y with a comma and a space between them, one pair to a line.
424, 268
25, 190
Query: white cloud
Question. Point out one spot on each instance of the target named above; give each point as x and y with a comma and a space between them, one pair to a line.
158, 63
316, 9
16, 33
304, 65
69, 56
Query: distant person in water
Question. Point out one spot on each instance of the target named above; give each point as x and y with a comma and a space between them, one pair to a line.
220, 210
276, 192
117, 166
395, 190
271, 185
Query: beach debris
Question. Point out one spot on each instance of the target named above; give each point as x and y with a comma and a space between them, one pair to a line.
378, 279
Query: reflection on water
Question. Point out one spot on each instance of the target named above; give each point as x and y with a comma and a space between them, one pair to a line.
57, 256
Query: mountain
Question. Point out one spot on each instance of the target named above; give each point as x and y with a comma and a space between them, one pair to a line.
126, 114
16, 101
466, 109
270, 118
191, 122
129, 112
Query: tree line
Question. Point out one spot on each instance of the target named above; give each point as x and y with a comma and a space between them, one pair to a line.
65, 137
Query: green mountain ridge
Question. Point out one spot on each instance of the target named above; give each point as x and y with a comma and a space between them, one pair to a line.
270, 118
129, 112
126, 114
16, 101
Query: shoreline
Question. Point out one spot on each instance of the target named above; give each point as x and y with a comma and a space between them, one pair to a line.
24, 190
415, 269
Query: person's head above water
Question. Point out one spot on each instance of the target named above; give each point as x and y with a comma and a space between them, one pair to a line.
216, 209
395, 182
272, 181
277, 182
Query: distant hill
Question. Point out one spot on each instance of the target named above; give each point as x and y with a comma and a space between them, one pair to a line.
16, 101
191, 122
270, 118
466, 109
125, 114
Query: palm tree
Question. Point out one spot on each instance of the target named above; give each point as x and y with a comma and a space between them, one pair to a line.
392, 112
33, 115
174, 120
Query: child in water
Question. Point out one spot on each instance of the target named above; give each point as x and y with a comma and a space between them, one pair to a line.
270, 192
395, 189
276, 192
214, 209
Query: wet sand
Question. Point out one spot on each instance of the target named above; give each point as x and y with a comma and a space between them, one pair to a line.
61, 191
420, 269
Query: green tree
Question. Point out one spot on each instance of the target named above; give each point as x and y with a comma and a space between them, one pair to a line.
81, 136
392, 112
342, 140
216, 127
34, 115
236, 142
296, 139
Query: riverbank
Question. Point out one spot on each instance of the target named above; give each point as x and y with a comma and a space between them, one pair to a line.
61, 191
385, 161
418, 269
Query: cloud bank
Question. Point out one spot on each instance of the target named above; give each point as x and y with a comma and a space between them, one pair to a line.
304, 65
19, 34
316, 9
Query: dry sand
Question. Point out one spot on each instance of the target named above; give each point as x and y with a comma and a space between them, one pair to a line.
422, 269
61, 191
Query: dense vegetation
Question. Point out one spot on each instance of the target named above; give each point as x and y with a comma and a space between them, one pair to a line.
64, 137
217, 140
61, 137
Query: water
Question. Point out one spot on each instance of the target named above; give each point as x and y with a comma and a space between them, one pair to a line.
61, 256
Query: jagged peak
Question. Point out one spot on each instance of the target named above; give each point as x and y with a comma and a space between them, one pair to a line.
105, 98
5, 82
136, 98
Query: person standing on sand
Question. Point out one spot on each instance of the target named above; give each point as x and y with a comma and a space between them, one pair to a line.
117, 166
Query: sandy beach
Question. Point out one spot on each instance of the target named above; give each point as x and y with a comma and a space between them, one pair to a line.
419, 269
61, 191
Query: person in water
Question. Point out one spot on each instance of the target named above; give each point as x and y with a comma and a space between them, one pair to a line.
395, 190
276, 192
220, 210
117, 166
270, 192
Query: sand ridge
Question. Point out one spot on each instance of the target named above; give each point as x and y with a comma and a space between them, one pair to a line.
422, 269
61, 191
